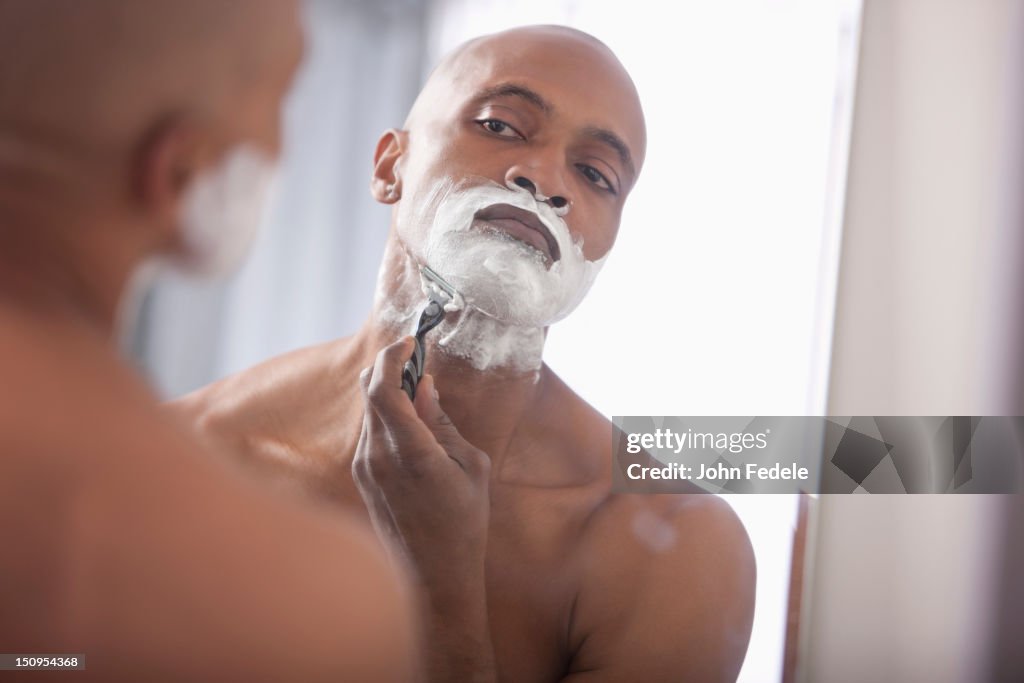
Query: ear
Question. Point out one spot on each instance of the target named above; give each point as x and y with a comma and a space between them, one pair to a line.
386, 182
167, 162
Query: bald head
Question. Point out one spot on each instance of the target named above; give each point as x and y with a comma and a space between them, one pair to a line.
562, 51
98, 73
121, 124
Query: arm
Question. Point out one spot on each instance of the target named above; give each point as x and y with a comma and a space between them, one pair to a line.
427, 491
674, 600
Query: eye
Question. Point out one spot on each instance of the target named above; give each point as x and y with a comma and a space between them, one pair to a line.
500, 128
596, 177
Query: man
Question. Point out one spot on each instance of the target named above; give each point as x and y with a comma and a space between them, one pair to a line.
131, 129
508, 179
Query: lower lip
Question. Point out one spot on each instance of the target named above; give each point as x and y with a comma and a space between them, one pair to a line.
514, 228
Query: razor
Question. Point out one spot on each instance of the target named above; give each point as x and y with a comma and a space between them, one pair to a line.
439, 295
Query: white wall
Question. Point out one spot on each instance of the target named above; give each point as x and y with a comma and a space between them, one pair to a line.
927, 323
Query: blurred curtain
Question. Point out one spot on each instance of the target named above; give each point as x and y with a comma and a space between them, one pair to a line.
311, 274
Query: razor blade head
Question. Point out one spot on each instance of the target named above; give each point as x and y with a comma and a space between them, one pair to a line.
439, 288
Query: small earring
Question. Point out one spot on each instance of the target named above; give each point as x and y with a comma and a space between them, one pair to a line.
390, 189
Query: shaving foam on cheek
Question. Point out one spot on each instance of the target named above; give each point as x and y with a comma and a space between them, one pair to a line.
509, 293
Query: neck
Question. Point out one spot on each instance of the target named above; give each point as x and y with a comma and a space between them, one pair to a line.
56, 262
488, 373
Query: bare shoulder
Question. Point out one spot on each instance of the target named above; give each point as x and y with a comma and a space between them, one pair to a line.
266, 410
666, 581
255, 389
668, 591
663, 528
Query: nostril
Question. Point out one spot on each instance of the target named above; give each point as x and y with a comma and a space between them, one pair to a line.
526, 184
559, 202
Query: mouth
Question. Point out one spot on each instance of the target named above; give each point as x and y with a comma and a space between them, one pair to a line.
521, 224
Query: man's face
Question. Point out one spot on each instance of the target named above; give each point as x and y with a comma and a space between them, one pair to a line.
543, 115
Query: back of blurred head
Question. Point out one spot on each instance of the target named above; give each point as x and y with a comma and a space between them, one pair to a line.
132, 129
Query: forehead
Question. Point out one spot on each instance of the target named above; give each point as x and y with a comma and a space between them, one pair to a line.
579, 77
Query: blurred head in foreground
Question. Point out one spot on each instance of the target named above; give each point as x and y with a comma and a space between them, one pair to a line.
137, 129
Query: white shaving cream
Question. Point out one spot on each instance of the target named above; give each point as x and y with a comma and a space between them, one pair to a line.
222, 211
508, 291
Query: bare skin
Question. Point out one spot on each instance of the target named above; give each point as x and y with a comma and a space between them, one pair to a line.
498, 495
123, 538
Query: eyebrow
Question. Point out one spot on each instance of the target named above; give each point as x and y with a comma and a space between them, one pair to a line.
533, 97
514, 90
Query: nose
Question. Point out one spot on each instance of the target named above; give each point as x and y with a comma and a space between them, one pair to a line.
526, 178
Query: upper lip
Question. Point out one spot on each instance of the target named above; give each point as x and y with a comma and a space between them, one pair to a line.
527, 218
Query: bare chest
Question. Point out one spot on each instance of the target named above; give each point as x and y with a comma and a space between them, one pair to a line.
532, 579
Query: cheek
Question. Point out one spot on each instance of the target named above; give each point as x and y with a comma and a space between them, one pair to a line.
470, 156
418, 210
414, 214
598, 231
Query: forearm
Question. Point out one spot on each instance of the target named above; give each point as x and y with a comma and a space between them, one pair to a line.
427, 489
458, 635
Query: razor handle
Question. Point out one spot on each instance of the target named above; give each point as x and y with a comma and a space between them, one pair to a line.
412, 372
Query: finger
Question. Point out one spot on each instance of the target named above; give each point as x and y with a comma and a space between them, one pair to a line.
365, 474
428, 408
387, 368
385, 386
427, 402
392, 406
371, 420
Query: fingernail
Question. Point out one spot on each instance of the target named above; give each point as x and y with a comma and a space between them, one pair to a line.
437, 396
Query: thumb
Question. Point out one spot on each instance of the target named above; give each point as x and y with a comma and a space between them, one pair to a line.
428, 407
